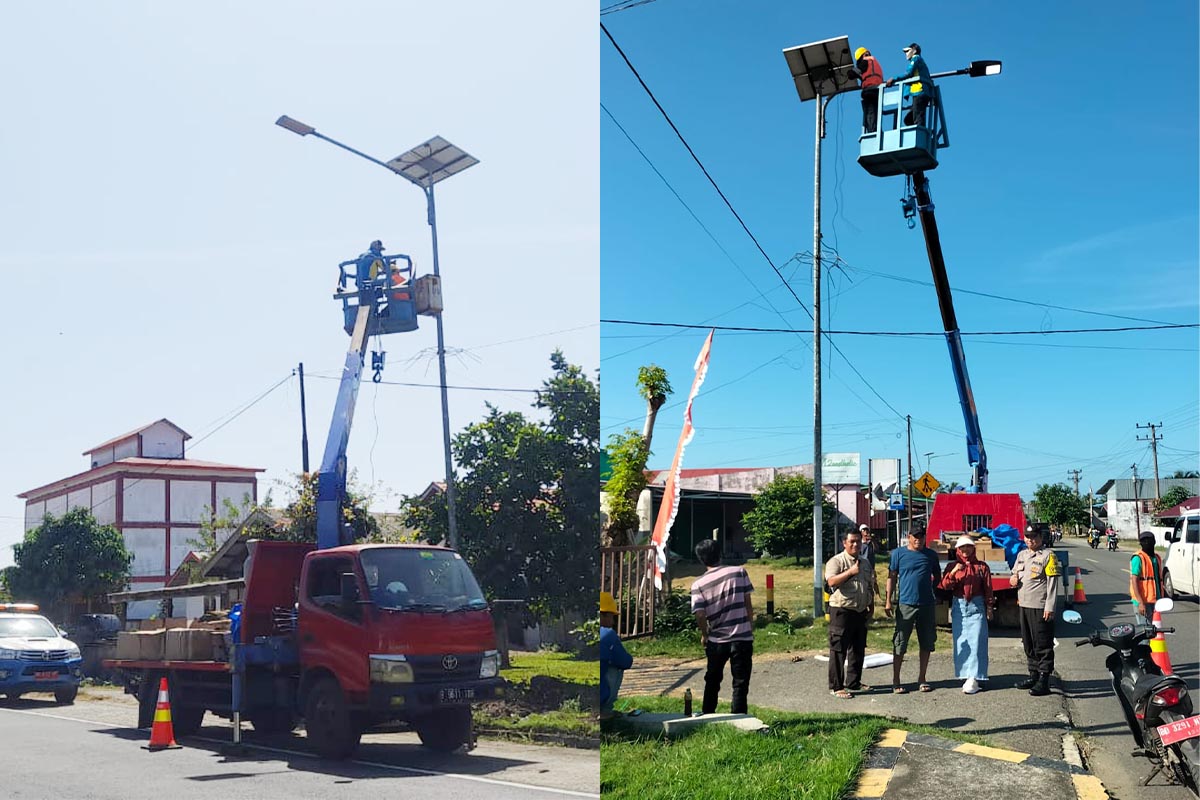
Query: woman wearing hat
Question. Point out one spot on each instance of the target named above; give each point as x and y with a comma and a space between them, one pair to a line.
969, 582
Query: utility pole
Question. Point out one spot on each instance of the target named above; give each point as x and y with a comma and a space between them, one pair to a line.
1137, 503
1074, 473
1153, 439
303, 424
908, 425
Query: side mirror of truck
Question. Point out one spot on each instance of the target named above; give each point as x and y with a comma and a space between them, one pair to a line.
349, 591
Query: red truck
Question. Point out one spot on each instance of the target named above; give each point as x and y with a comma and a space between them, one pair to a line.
345, 639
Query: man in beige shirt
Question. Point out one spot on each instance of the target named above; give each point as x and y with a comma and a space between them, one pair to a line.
852, 584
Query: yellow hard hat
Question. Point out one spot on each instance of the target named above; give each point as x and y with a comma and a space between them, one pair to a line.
859, 53
607, 603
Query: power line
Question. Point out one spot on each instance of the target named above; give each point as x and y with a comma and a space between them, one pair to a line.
624, 5
460, 388
750, 329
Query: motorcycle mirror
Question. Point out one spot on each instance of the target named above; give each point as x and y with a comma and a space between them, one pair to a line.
1073, 617
1164, 604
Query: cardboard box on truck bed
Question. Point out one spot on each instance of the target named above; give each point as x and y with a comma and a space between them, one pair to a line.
189, 644
128, 645
150, 645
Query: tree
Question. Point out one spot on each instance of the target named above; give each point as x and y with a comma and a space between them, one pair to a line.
1058, 504
1173, 497
628, 453
781, 521
1185, 473
527, 511
66, 560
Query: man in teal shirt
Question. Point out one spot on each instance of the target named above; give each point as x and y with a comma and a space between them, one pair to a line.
921, 91
913, 571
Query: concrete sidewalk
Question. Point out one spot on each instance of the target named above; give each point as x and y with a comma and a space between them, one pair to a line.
912, 766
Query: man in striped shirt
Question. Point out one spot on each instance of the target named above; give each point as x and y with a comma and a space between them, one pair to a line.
721, 603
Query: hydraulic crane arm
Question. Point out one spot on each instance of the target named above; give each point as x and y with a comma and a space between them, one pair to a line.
976, 455
331, 480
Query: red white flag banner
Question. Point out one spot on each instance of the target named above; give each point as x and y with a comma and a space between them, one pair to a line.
670, 503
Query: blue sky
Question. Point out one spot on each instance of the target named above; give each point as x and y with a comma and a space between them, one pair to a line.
1070, 187
170, 252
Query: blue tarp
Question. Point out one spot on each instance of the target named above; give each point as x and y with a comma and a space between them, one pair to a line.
1008, 537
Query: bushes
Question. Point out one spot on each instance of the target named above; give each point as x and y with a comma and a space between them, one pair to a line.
675, 615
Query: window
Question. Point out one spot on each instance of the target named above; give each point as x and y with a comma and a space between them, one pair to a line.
1193, 531
325, 582
1147, 506
410, 577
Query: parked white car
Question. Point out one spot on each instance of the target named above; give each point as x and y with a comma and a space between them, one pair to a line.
1181, 568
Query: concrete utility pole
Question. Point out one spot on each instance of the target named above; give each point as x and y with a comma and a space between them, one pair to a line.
1153, 439
908, 426
1137, 503
1074, 473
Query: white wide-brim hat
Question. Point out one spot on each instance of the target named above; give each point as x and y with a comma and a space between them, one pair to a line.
964, 540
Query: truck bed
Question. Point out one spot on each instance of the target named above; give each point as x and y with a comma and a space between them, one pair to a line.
200, 666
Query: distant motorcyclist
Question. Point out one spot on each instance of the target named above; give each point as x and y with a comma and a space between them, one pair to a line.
1094, 538
1112, 539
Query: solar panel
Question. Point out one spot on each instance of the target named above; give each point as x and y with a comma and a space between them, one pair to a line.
821, 68
432, 161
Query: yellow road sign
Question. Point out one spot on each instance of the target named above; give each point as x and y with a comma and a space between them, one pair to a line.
927, 485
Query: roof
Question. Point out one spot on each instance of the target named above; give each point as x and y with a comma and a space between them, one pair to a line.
1123, 488
1175, 512
135, 432
174, 464
230, 558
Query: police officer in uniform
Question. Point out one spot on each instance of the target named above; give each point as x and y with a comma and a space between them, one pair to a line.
1036, 575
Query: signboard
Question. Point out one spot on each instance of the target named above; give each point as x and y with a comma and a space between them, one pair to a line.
927, 485
895, 502
839, 468
883, 475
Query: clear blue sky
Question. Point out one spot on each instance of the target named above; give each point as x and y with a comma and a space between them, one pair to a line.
1071, 182
170, 252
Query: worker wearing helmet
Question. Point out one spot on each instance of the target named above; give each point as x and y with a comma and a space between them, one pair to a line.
870, 76
369, 264
614, 658
921, 91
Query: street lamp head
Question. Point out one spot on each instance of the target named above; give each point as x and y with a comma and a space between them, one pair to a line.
431, 162
295, 126
979, 69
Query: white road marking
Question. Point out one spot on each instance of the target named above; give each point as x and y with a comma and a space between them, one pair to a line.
1094, 561
376, 764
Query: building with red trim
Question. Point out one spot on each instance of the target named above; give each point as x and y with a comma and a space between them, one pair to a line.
142, 483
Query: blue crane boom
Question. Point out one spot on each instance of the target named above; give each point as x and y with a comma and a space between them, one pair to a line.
976, 455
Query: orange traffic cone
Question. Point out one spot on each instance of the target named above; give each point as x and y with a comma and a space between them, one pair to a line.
162, 733
1158, 647
1079, 596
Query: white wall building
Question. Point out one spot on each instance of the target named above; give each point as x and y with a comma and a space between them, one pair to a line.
1129, 504
142, 484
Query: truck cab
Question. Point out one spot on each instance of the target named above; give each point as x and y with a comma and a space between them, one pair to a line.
35, 657
1181, 567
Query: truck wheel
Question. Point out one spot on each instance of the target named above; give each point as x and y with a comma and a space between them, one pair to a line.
273, 720
65, 697
1168, 586
445, 730
328, 723
186, 720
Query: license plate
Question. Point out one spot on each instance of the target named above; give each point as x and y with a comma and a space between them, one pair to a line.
46, 676
455, 695
1179, 730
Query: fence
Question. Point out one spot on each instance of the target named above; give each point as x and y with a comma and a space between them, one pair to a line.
624, 571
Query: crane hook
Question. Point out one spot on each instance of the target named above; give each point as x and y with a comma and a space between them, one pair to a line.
377, 357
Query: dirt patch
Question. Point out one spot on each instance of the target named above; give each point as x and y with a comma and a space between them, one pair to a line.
543, 693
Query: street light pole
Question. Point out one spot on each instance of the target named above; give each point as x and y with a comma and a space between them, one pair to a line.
818, 489
423, 166
451, 520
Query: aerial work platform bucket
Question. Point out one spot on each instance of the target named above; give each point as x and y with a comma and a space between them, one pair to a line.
388, 285
896, 148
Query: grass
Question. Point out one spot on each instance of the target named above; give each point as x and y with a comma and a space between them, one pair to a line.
568, 720
563, 666
793, 592
814, 756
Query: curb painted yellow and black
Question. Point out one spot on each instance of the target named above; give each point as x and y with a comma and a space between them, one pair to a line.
881, 763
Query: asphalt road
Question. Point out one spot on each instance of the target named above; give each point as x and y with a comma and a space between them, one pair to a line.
89, 751
1092, 707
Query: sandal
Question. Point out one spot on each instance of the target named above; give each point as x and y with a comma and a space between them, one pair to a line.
899, 690
925, 687
862, 687
841, 694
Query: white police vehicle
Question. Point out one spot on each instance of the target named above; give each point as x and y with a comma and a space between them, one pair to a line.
34, 656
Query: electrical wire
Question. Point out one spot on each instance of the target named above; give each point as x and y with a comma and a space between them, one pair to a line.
751, 329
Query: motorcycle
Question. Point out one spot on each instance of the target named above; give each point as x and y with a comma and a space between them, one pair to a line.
1157, 707
1094, 539
1112, 541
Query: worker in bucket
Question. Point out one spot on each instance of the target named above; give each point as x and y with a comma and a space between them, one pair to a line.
870, 76
369, 265
614, 658
921, 91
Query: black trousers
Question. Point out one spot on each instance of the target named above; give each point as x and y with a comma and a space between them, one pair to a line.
916, 114
740, 656
870, 106
847, 645
1037, 635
